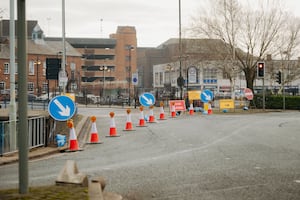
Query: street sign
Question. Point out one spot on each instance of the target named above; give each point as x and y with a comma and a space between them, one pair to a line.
147, 99
248, 93
179, 105
61, 108
62, 78
207, 96
135, 79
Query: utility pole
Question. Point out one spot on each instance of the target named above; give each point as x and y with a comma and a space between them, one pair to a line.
23, 100
12, 108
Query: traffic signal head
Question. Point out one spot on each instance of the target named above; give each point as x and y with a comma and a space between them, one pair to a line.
278, 77
260, 69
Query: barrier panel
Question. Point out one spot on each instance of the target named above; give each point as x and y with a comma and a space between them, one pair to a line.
36, 134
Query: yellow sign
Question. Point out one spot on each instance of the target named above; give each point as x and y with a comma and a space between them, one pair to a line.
226, 103
194, 95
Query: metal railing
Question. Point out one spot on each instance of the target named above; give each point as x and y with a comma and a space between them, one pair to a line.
37, 135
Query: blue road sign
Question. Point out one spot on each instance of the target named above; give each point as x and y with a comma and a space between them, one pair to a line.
206, 96
147, 99
61, 108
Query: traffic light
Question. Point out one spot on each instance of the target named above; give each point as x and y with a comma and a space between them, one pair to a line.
278, 77
261, 69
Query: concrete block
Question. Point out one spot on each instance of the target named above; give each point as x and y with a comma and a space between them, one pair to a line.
100, 180
95, 191
70, 175
111, 196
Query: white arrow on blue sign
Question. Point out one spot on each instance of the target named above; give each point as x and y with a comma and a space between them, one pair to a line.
207, 96
147, 99
61, 108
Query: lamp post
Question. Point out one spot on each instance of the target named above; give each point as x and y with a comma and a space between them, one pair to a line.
180, 79
37, 63
129, 72
169, 69
103, 69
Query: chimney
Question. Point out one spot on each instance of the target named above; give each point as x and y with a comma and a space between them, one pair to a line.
269, 57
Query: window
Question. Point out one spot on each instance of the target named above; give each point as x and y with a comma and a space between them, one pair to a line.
2, 85
16, 68
210, 76
30, 87
31, 68
45, 87
44, 68
6, 68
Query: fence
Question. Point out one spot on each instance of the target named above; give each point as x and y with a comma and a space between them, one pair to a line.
37, 134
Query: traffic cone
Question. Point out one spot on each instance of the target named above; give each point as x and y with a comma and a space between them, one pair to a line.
128, 126
73, 143
173, 110
94, 138
209, 111
191, 108
112, 128
142, 118
162, 112
151, 115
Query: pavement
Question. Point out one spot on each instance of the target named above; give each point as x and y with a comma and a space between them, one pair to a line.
39, 152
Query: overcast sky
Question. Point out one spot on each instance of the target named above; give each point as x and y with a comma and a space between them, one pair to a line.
155, 20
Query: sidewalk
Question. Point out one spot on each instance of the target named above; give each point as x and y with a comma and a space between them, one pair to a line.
45, 151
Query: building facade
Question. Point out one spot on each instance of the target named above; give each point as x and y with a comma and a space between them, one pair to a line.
101, 67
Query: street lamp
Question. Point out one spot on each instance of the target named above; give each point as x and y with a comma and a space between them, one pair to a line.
37, 63
129, 72
103, 69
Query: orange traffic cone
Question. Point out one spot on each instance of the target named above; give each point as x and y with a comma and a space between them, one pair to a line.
73, 143
151, 115
162, 112
173, 110
191, 108
112, 128
128, 126
94, 138
209, 111
142, 118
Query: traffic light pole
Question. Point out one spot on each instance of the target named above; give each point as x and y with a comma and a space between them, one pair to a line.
283, 91
264, 94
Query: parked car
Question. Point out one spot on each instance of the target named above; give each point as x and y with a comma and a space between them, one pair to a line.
31, 97
44, 97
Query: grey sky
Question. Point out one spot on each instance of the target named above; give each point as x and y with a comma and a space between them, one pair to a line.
155, 21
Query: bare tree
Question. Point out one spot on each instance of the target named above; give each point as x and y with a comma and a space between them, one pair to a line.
288, 48
249, 34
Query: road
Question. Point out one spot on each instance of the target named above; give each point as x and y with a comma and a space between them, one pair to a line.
207, 157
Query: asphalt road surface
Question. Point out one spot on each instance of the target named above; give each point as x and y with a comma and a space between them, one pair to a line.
200, 157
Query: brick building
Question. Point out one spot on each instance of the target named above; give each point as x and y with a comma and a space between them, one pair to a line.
99, 66
38, 51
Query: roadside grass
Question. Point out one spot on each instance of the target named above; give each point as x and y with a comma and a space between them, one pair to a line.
53, 192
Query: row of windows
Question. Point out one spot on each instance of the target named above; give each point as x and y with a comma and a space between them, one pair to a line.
30, 86
31, 68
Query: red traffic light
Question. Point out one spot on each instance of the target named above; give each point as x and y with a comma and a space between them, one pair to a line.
260, 69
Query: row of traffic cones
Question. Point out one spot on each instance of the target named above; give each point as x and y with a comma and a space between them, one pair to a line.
94, 137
